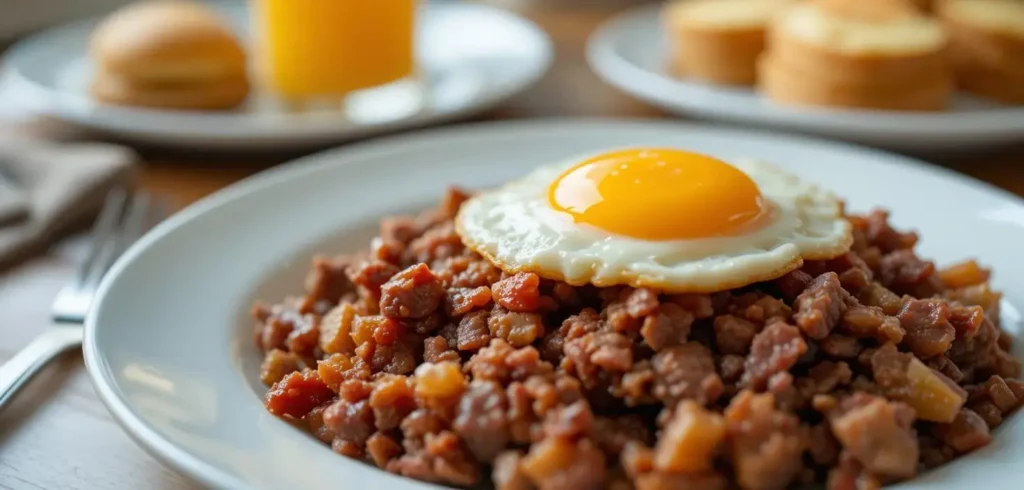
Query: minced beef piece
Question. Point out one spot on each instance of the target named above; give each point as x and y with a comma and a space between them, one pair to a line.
327, 281
878, 433
865, 322
822, 446
481, 419
825, 377
297, 394
425, 359
766, 445
517, 328
902, 271
613, 434
519, 292
350, 421
776, 349
666, 325
1004, 394
594, 354
435, 244
508, 472
443, 460
792, 284
849, 474
572, 421
686, 372
641, 302
734, 335
460, 301
275, 326
436, 349
880, 234
473, 333
820, 306
926, 322
371, 275
676, 481
965, 433
841, 346
413, 293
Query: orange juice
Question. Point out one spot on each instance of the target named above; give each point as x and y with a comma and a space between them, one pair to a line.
311, 48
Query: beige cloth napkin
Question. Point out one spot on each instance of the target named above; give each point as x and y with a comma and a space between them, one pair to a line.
50, 186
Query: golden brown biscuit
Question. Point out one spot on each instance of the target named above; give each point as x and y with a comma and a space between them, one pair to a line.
1003, 86
857, 53
987, 46
224, 94
170, 54
718, 41
873, 67
787, 85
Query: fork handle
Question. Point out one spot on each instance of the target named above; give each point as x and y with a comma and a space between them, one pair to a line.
27, 362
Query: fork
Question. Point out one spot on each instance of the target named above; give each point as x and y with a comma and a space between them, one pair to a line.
123, 219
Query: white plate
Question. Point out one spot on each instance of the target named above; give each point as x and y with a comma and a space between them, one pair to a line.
629, 52
169, 344
472, 58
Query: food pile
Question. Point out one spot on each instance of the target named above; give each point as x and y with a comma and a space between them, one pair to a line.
425, 359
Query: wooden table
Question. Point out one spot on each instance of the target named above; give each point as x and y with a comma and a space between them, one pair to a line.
58, 435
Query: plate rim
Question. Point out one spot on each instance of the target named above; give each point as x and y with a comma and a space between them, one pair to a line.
629, 77
84, 112
179, 459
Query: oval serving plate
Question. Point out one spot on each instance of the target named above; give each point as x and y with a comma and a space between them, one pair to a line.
169, 343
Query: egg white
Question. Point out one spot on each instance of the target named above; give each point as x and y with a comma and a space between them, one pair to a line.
516, 228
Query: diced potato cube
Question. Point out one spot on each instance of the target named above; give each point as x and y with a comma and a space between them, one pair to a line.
963, 274
931, 396
441, 380
690, 440
336, 330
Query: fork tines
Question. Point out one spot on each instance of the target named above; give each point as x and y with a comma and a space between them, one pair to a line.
125, 216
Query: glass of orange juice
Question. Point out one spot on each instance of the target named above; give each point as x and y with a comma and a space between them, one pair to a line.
327, 49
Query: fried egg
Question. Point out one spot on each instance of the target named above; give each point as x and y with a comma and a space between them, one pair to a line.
663, 218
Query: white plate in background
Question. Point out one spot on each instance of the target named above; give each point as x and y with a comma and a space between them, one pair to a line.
472, 57
176, 365
629, 52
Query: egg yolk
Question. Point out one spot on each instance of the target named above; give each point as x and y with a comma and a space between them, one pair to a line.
659, 194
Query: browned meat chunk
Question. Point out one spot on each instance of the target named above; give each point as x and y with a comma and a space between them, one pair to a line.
519, 292
879, 433
460, 301
481, 419
765, 445
297, 394
776, 349
413, 293
926, 322
965, 433
819, 308
686, 372
734, 335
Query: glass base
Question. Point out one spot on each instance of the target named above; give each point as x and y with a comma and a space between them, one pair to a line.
397, 100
